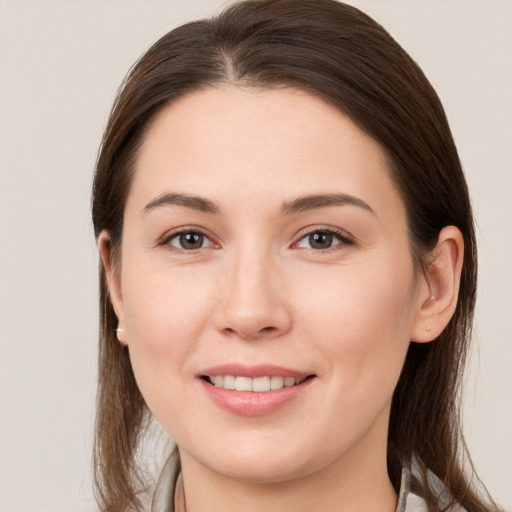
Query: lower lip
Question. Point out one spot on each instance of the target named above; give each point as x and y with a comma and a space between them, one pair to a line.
250, 403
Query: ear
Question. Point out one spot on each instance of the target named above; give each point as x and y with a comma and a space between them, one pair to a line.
438, 290
113, 283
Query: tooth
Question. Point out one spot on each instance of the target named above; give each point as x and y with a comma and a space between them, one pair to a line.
276, 383
261, 384
289, 381
229, 382
243, 384
258, 384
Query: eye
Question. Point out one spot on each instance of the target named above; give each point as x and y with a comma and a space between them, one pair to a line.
189, 240
322, 239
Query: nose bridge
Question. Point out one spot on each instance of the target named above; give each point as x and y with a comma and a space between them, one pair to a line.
253, 303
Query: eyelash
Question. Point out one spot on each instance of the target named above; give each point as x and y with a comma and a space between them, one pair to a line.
166, 240
342, 238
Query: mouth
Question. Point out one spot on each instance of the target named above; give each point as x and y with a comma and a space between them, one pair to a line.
254, 390
262, 384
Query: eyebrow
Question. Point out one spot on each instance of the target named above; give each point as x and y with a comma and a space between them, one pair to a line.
314, 202
177, 199
299, 205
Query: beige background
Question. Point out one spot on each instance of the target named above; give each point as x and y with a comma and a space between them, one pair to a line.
61, 62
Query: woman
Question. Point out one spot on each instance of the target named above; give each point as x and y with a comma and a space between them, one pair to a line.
289, 270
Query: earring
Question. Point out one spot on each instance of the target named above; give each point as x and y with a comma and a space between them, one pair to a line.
428, 328
119, 332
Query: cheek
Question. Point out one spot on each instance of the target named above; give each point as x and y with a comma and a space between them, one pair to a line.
163, 306
361, 326
361, 320
165, 315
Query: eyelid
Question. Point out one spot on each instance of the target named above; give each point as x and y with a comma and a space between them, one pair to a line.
169, 235
342, 235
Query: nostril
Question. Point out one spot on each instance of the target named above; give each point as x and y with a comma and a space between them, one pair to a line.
253, 334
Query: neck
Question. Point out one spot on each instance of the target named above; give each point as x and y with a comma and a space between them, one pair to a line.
355, 482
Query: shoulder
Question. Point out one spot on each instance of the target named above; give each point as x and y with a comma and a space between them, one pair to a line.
410, 499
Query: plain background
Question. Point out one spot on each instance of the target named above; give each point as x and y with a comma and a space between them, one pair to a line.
60, 65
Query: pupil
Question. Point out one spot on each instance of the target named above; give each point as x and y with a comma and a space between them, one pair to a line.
191, 240
320, 240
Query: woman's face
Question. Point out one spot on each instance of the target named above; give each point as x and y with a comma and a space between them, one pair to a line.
265, 245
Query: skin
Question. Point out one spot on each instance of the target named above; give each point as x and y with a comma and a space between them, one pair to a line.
257, 292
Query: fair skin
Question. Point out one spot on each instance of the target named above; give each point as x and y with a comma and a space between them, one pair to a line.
322, 289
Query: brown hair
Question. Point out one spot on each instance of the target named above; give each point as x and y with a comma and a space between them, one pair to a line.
339, 54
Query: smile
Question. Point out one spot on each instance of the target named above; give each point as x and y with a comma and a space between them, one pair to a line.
254, 390
257, 385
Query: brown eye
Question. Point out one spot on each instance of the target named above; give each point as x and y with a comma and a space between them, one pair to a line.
320, 240
189, 240
323, 240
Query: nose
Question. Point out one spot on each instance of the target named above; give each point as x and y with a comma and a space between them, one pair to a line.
254, 303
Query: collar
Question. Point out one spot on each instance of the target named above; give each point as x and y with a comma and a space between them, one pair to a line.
165, 499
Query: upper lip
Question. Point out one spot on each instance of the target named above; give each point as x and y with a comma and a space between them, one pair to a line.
253, 371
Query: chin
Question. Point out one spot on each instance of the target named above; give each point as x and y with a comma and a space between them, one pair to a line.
267, 470
254, 462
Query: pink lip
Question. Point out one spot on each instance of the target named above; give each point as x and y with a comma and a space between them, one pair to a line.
247, 403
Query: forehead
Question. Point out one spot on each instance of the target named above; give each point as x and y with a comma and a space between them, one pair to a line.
265, 143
